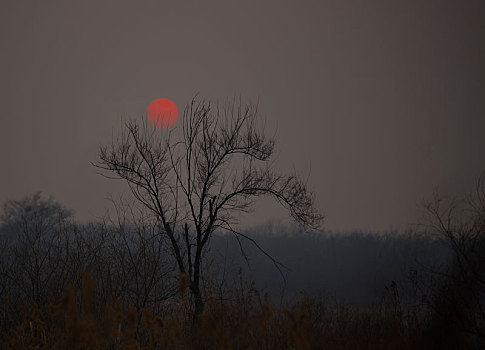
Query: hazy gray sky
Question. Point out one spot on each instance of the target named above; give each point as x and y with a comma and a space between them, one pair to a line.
382, 100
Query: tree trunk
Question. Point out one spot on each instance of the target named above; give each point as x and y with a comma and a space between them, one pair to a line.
198, 303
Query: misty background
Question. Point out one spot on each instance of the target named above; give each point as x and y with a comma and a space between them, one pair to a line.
378, 103
354, 267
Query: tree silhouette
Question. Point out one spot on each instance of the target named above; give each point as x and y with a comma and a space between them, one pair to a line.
201, 182
36, 259
460, 299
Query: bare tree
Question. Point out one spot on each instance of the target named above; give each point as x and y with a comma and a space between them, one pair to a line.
37, 254
460, 224
201, 182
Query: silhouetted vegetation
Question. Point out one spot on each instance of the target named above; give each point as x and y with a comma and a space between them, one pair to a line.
111, 284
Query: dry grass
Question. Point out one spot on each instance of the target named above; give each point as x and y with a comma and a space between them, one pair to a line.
78, 321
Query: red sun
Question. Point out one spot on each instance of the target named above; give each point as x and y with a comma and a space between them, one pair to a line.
162, 113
